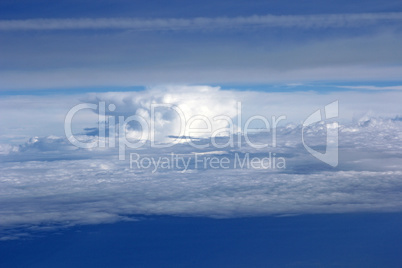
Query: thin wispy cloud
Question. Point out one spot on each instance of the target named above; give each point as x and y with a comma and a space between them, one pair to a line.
369, 87
200, 23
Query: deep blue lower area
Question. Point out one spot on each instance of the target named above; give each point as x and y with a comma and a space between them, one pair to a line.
341, 240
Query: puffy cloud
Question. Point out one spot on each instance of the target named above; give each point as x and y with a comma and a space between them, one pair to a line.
171, 109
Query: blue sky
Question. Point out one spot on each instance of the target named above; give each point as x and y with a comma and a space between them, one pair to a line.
216, 65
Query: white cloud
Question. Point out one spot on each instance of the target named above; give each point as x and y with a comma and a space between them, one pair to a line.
282, 21
48, 182
23, 118
101, 189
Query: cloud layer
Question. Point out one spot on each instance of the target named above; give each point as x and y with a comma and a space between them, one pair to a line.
65, 53
48, 182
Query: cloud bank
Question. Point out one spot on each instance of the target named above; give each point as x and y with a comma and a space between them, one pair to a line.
122, 52
47, 182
